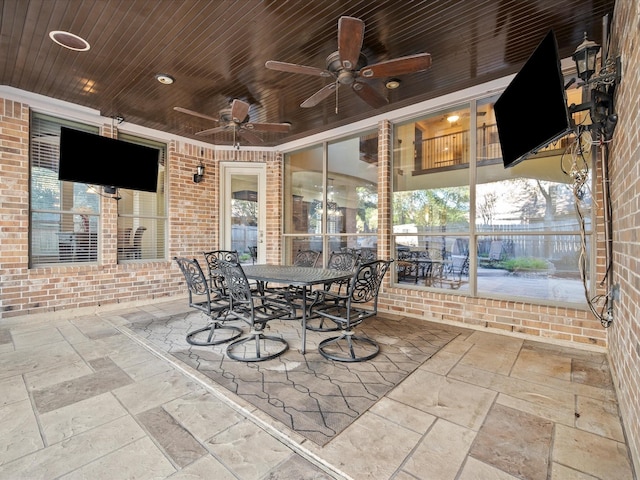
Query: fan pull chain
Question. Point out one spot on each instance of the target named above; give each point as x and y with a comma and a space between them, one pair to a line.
337, 88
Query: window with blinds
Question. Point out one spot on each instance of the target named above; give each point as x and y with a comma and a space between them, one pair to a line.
64, 216
142, 216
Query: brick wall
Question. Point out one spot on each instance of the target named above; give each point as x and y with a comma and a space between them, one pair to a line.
624, 333
193, 227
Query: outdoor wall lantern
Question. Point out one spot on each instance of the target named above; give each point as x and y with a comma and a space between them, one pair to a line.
601, 86
197, 177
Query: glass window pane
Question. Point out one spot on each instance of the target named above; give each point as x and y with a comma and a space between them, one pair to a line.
64, 215
534, 195
295, 244
142, 215
431, 174
543, 267
352, 185
303, 184
332, 198
433, 260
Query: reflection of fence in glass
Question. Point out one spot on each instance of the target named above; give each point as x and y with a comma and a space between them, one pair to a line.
243, 237
553, 247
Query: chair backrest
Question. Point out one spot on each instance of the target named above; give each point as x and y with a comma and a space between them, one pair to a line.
344, 261
124, 236
253, 251
495, 251
137, 237
367, 254
213, 259
366, 282
306, 258
238, 286
194, 276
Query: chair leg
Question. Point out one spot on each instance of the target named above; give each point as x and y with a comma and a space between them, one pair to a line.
216, 335
349, 348
318, 326
273, 347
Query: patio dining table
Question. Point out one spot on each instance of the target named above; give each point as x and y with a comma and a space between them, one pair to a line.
296, 277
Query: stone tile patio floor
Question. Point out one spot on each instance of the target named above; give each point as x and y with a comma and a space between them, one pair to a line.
82, 397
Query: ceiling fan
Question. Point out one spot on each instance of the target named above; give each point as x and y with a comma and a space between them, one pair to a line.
348, 66
236, 118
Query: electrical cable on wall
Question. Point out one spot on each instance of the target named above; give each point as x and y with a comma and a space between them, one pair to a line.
578, 171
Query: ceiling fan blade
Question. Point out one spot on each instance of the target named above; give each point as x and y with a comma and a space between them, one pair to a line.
239, 111
211, 131
350, 36
195, 114
398, 66
369, 94
250, 136
295, 68
320, 95
268, 127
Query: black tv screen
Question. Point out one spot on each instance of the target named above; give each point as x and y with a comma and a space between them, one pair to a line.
532, 112
93, 159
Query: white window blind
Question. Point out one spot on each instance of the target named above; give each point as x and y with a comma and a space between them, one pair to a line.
63, 215
142, 216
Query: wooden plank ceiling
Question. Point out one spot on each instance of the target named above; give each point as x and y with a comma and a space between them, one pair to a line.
216, 51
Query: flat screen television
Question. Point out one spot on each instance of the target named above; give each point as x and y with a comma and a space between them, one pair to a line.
96, 160
532, 112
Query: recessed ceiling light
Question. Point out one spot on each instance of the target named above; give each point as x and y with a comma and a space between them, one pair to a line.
69, 40
165, 79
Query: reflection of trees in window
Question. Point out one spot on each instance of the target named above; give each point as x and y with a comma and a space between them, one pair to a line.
437, 207
367, 215
539, 201
487, 207
45, 189
244, 212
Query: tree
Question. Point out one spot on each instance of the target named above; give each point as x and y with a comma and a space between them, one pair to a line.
429, 208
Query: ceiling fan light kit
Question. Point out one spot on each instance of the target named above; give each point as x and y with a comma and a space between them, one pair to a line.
236, 119
349, 66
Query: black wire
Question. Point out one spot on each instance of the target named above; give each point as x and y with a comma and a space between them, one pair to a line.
580, 176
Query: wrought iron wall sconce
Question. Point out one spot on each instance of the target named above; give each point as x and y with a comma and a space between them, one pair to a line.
197, 177
602, 86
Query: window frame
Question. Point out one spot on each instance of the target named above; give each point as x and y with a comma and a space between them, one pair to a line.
131, 249
475, 234
79, 243
326, 237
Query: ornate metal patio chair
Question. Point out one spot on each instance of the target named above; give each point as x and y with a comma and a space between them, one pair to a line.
212, 302
253, 251
306, 258
257, 310
453, 272
134, 250
367, 254
349, 311
343, 261
216, 280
